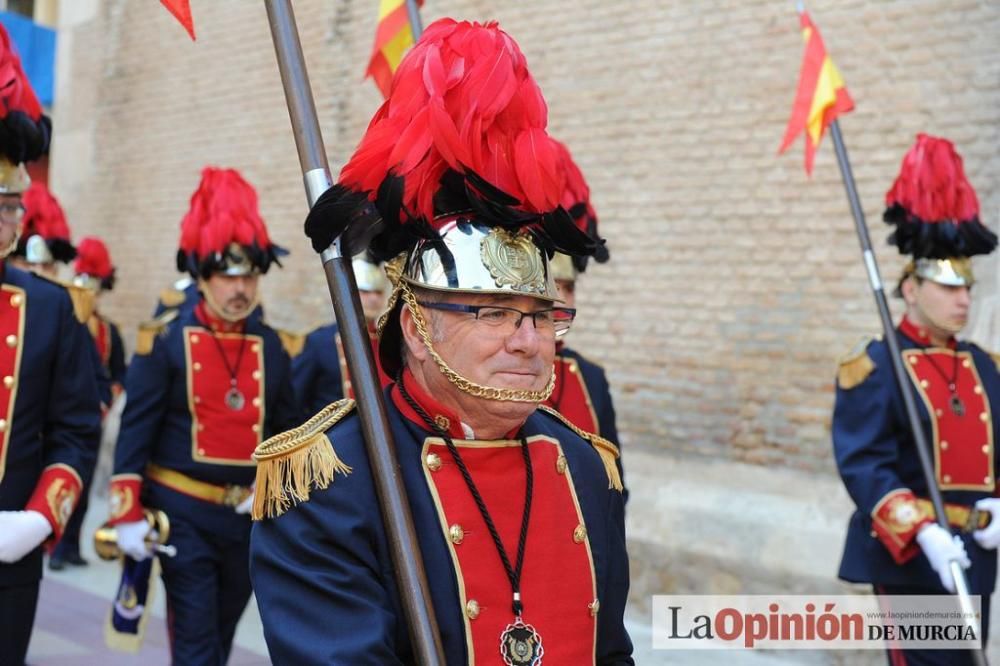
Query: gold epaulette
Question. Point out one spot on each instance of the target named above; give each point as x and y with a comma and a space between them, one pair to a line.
171, 298
996, 359
606, 449
291, 464
84, 300
292, 342
856, 365
148, 330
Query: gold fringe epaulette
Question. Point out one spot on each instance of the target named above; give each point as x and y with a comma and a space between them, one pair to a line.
856, 365
84, 300
148, 330
291, 464
606, 449
171, 298
292, 342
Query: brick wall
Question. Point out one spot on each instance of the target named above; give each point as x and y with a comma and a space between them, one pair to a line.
735, 282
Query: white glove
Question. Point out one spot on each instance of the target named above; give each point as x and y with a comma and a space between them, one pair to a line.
941, 549
20, 533
989, 536
246, 505
132, 539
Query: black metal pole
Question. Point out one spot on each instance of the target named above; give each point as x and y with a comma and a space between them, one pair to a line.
899, 371
396, 517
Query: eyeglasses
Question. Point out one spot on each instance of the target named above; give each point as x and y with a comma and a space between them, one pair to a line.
11, 213
507, 320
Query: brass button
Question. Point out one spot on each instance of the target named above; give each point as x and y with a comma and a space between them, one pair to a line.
944, 445
433, 462
255, 348
924, 383
17, 300
256, 374
197, 366
194, 339
874, 534
978, 390
946, 478
456, 534
938, 413
986, 448
201, 452
572, 368
347, 384
965, 363
255, 402
8, 382
561, 464
255, 427
595, 607
913, 360
988, 479
3, 425
580, 534
442, 422
197, 400
11, 340
472, 609
201, 426
984, 417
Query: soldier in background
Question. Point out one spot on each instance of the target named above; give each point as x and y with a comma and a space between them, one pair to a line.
49, 405
206, 385
319, 372
45, 235
893, 541
95, 273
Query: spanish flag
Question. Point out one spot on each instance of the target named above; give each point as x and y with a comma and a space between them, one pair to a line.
181, 9
392, 37
822, 95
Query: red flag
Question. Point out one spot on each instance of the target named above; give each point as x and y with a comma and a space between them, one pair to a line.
822, 95
181, 9
393, 36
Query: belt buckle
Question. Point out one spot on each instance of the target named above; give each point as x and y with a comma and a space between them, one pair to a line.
972, 524
232, 496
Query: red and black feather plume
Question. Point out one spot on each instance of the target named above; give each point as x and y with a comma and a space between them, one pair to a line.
24, 130
43, 216
94, 260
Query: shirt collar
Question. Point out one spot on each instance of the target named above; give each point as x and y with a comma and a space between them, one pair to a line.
919, 334
215, 324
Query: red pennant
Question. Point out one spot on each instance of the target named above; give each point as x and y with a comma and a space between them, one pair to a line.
181, 9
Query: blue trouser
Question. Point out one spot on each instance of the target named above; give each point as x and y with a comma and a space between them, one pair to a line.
208, 587
17, 615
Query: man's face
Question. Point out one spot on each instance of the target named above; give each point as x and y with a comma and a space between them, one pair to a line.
233, 294
938, 306
372, 303
10, 218
567, 292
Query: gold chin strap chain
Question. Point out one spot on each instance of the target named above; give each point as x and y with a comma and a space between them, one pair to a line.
5, 252
217, 309
465, 385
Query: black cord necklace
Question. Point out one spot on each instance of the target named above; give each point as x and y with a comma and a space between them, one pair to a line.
954, 402
520, 643
234, 399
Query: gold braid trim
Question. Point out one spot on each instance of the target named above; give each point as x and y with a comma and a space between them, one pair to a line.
855, 366
606, 449
466, 385
291, 464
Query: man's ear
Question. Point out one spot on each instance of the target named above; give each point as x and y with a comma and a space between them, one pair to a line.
908, 289
411, 339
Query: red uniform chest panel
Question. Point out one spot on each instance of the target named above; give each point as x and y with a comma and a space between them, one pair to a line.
571, 397
558, 583
220, 434
12, 304
963, 445
100, 330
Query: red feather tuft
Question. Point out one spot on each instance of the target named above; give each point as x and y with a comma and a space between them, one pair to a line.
576, 192
462, 99
43, 216
932, 186
93, 258
15, 90
223, 211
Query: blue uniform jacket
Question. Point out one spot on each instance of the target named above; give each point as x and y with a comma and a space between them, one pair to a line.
324, 580
877, 459
157, 424
316, 371
53, 426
